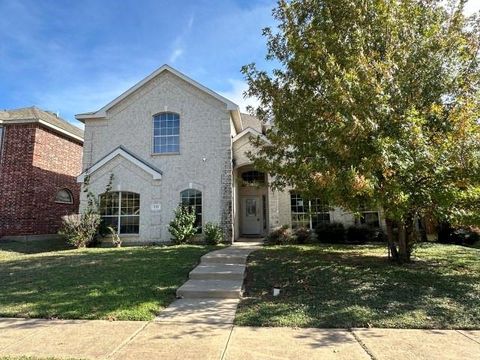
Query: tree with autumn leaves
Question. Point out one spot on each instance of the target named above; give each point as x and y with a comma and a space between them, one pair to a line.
377, 103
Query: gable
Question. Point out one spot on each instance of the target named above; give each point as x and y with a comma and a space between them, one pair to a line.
127, 155
102, 113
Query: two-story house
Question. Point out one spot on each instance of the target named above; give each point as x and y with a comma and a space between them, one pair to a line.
40, 158
170, 140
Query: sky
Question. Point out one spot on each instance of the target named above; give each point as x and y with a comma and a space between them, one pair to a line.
71, 56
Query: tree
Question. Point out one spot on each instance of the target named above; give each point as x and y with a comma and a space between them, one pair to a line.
374, 102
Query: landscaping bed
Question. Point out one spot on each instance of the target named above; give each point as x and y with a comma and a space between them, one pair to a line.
131, 283
347, 286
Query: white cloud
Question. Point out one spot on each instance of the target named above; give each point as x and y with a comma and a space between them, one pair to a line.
179, 42
175, 54
236, 94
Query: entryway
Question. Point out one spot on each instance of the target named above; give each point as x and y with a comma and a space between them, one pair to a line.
251, 216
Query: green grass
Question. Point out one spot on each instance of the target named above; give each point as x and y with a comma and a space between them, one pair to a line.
356, 286
131, 283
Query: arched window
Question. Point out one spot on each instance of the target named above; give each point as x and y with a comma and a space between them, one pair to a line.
166, 133
253, 177
193, 199
64, 196
121, 210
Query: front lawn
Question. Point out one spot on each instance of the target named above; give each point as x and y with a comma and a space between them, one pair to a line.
355, 286
131, 283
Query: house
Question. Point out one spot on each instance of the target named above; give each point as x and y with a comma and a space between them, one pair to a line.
40, 157
170, 140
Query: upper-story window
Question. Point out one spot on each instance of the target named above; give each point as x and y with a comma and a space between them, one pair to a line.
166, 133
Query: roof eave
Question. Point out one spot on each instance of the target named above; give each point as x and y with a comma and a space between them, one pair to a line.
100, 114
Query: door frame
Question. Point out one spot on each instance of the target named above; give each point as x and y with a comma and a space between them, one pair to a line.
260, 207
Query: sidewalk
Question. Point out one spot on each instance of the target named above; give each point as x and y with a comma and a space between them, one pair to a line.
82, 339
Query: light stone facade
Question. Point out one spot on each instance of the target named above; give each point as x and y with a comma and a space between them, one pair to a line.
214, 142
204, 161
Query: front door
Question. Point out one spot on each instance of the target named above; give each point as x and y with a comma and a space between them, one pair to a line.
251, 215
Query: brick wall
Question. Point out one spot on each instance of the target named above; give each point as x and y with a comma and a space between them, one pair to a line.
35, 164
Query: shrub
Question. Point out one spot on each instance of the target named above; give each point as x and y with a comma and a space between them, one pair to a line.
182, 227
80, 229
302, 235
279, 236
465, 236
359, 234
212, 233
380, 236
330, 233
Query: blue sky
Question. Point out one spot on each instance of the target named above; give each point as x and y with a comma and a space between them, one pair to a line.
76, 56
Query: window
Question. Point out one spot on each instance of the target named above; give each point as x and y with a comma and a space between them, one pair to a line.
193, 199
121, 210
368, 217
253, 177
166, 133
64, 196
308, 213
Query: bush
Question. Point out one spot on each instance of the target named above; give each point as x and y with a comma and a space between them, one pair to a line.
360, 234
80, 229
302, 235
182, 227
465, 236
212, 233
280, 236
330, 233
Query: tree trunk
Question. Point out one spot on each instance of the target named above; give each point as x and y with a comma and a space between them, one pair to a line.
392, 248
402, 242
406, 238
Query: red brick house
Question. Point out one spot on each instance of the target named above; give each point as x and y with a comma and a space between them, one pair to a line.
40, 157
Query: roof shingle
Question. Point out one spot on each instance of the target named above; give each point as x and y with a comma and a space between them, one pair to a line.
34, 114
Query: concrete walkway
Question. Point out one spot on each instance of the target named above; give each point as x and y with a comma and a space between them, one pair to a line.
213, 291
84, 339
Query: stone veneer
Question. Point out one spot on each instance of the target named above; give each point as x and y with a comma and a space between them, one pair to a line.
203, 163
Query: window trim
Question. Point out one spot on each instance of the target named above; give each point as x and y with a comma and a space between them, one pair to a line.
200, 229
306, 204
358, 219
65, 202
119, 215
152, 138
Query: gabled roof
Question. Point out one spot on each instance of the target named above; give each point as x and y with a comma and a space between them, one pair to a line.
46, 118
251, 132
249, 121
102, 112
126, 154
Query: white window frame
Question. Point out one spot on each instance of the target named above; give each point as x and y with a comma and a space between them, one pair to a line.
119, 215
308, 211
165, 136
200, 228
